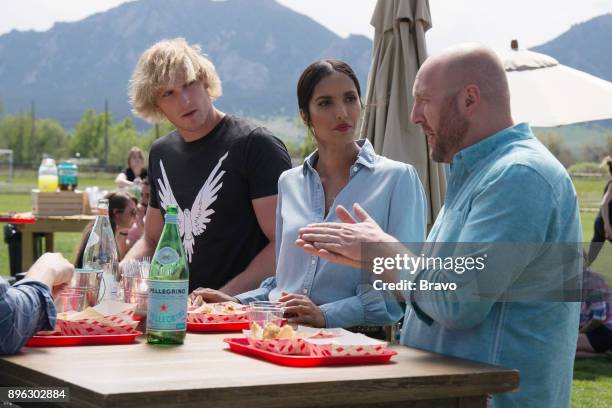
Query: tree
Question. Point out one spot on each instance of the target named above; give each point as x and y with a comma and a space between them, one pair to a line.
308, 145
153, 134
122, 136
50, 138
10, 136
88, 136
554, 143
293, 148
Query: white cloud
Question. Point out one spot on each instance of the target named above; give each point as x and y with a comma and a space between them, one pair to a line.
343, 17
496, 23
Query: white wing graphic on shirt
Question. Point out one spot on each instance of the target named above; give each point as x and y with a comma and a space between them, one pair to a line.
193, 222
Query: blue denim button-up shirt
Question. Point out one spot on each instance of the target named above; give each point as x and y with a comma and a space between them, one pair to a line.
25, 309
506, 188
389, 191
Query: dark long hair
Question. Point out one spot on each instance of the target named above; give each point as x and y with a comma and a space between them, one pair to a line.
117, 203
314, 73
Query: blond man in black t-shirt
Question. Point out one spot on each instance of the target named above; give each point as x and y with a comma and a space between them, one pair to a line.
220, 170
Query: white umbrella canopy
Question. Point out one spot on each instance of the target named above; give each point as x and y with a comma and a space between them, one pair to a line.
399, 51
545, 93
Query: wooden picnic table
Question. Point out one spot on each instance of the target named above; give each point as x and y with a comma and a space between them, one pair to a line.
202, 372
48, 225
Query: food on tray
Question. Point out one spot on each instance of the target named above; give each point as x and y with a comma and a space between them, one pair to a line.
92, 322
223, 308
273, 331
312, 341
195, 302
256, 331
89, 313
286, 332
214, 313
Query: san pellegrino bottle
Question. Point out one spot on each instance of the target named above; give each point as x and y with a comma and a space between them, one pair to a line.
101, 252
168, 286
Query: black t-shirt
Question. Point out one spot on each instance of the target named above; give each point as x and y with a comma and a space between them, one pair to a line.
129, 174
213, 181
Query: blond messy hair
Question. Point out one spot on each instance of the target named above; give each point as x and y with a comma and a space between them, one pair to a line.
158, 67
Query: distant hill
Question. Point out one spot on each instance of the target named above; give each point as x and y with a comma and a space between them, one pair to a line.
258, 46
586, 46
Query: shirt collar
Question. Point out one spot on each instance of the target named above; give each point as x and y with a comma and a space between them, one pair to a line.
469, 157
366, 156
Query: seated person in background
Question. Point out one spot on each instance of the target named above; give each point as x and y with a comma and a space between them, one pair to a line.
135, 171
122, 213
137, 228
342, 171
595, 315
602, 227
27, 307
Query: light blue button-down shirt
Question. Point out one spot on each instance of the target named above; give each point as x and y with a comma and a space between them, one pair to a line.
389, 191
506, 188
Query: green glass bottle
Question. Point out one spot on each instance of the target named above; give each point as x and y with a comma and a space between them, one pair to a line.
168, 286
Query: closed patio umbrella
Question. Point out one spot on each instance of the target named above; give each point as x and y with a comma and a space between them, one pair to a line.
399, 50
546, 93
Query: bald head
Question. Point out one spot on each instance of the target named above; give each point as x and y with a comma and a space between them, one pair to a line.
461, 97
472, 64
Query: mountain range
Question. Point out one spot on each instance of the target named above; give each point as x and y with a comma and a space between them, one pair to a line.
259, 48
586, 46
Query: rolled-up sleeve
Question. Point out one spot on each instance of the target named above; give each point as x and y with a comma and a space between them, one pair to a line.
261, 293
25, 309
367, 307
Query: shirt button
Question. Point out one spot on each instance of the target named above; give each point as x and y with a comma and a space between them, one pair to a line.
304, 291
314, 261
355, 168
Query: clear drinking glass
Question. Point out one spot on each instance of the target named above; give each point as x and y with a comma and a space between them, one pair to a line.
135, 290
82, 291
265, 312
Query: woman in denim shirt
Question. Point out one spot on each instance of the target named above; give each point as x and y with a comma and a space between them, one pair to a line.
341, 171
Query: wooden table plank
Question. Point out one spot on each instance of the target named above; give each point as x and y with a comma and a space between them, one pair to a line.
201, 370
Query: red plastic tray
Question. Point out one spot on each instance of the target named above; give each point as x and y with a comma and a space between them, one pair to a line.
62, 341
221, 327
17, 220
217, 327
241, 346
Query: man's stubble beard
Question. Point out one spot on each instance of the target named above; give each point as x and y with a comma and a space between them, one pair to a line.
451, 131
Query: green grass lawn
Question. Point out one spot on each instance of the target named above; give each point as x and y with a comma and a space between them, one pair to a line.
592, 386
